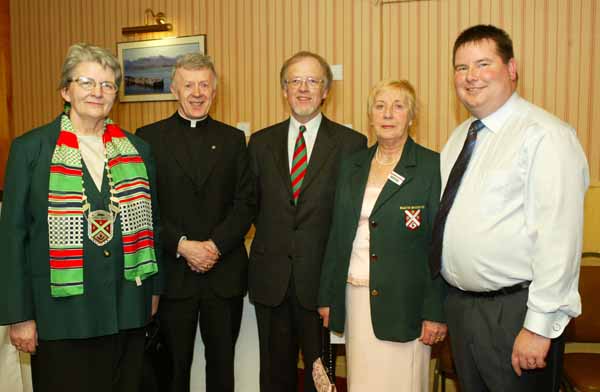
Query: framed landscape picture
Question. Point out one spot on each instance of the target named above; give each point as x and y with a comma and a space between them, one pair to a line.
147, 66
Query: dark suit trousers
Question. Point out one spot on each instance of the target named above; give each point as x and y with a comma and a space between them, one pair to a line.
283, 330
219, 320
483, 332
111, 363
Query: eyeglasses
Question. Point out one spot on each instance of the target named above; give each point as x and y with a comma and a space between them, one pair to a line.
312, 83
89, 84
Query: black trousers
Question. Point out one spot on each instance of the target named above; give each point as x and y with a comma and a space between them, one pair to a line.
101, 364
219, 320
483, 332
282, 331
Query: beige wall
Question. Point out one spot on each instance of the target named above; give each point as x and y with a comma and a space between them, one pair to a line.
557, 45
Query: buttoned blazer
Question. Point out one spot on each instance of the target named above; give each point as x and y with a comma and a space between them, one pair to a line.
402, 292
205, 192
290, 239
109, 302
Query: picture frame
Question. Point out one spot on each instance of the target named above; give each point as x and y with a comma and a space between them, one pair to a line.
147, 66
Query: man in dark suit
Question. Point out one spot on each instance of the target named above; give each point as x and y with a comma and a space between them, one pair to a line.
295, 164
206, 201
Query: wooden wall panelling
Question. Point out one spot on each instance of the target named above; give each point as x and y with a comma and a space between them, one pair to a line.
6, 123
557, 46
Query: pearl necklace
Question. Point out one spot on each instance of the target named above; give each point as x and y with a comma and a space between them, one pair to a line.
383, 162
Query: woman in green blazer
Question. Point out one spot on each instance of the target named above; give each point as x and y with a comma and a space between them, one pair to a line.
78, 230
375, 284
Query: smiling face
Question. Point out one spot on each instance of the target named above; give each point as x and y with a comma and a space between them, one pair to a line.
305, 100
195, 90
391, 115
483, 81
93, 105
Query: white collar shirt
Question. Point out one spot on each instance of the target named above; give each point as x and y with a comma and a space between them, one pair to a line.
518, 214
310, 136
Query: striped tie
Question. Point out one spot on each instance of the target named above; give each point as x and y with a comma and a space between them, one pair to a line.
299, 164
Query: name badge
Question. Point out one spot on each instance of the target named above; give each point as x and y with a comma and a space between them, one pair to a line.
396, 178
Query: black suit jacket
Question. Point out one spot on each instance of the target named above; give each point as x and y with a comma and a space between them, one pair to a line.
290, 239
205, 192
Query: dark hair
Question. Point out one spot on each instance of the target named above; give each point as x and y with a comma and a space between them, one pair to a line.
300, 56
504, 46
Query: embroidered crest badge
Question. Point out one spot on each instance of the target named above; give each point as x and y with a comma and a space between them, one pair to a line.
412, 219
100, 227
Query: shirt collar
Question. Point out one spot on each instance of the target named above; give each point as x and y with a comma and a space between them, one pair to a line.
311, 127
192, 123
495, 121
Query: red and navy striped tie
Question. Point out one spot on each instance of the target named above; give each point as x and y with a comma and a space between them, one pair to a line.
299, 164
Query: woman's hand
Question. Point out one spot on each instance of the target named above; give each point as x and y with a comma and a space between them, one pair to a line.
324, 313
23, 336
432, 332
155, 301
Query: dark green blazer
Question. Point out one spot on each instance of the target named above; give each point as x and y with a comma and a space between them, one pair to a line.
402, 293
109, 303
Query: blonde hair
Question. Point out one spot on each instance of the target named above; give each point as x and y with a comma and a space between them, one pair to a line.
403, 86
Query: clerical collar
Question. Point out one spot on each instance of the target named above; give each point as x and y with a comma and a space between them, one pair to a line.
192, 123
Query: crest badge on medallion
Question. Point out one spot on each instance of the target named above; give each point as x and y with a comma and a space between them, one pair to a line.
100, 227
412, 219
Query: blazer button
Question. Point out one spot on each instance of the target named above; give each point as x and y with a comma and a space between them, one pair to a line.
374, 293
290, 257
373, 224
374, 257
106, 253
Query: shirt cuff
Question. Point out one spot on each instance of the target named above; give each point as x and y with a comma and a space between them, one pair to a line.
550, 325
182, 238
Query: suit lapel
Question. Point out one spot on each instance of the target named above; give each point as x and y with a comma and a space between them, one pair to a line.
322, 151
279, 149
405, 168
358, 180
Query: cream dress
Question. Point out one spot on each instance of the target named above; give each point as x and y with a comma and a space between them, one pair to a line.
376, 365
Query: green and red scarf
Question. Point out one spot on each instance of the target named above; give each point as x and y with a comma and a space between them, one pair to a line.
66, 209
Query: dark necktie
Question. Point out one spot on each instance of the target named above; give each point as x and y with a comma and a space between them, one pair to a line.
299, 164
454, 180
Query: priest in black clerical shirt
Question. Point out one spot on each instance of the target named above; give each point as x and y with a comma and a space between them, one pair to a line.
206, 207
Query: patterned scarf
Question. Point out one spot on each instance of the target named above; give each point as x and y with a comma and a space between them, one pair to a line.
130, 190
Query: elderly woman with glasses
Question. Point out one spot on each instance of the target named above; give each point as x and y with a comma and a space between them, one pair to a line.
375, 285
78, 235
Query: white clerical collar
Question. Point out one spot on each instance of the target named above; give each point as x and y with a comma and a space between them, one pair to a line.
194, 121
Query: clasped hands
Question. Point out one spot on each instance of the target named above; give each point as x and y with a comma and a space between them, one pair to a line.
200, 256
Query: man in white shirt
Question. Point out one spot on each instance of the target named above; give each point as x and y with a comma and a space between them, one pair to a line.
513, 232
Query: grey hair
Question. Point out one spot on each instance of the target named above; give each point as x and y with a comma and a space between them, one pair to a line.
195, 61
82, 52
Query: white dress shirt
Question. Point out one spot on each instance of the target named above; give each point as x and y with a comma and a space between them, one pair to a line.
518, 214
310, 135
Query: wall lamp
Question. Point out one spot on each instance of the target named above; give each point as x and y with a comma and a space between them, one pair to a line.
159, 24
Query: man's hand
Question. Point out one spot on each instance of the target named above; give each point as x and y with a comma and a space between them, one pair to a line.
23, 336
529, 351
324, 313
200, 256
432, 332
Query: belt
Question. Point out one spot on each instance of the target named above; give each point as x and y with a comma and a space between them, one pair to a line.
496, 293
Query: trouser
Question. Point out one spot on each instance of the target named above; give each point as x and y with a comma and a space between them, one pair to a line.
100, 364
283, 330
219, 320
483, 332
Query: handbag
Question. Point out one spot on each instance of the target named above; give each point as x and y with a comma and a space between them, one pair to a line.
323, 371
156, 356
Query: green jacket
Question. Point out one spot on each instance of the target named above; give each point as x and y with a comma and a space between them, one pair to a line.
109, 303
402, 293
